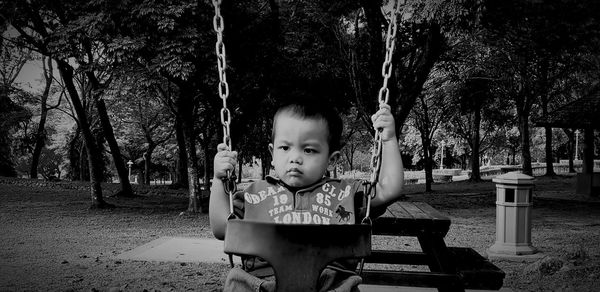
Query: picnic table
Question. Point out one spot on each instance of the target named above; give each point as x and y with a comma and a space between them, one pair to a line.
450, 268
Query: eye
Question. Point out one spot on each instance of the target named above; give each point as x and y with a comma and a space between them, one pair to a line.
309, 150
283, 147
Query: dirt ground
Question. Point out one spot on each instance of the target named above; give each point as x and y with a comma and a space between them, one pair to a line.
51, 240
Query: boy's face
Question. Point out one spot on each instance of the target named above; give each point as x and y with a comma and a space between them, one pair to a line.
300, 150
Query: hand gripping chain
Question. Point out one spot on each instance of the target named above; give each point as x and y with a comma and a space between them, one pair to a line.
383, 98
219, 25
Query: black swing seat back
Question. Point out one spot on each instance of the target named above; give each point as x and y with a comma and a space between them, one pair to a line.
297, 252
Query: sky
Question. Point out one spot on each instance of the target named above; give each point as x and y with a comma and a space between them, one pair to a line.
30, 77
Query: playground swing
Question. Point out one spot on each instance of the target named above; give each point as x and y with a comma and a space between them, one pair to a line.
309, 246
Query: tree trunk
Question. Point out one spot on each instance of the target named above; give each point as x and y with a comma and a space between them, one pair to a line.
93, 154
192, 170
185, 109
514, 157
374, 19
265, 163
40, 141
109, 135
74, 156
525, 151
207, 162
240, 164
588, 151
475, 142
570, 146
549, 156
182, 175
40, 137
428, 163
84, 166
545, 99
148, 163
7, 167
351, 161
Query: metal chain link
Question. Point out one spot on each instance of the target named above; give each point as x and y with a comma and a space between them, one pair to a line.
383, 98
219, 25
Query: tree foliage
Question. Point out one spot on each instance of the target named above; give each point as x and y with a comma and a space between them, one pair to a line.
467, 72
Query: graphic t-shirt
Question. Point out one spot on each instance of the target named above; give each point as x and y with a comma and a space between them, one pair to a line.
329, 201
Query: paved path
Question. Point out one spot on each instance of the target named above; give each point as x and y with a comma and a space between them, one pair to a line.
179, 249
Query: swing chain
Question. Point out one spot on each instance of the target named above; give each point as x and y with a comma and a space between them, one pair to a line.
219, 25
390, 45
383, 98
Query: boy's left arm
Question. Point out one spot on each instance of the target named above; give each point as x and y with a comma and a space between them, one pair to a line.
391, 175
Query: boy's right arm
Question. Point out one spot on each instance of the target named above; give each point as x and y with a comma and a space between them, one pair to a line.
218, 210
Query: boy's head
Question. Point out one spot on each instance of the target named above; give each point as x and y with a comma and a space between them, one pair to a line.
305, 140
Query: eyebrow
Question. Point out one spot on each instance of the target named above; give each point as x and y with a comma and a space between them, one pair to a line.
312, 142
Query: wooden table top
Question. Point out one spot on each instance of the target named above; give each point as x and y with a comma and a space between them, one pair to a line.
411, 219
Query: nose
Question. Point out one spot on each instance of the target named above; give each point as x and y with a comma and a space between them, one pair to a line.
295, 157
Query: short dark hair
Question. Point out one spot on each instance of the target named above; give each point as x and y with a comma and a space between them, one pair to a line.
307, 108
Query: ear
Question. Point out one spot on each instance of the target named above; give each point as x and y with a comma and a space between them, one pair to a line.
334, 157
271, 151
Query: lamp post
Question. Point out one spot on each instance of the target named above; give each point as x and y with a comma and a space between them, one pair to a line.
576, 145
129, 164
442, 156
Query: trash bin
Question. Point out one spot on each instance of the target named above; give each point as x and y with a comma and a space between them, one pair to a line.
514, 192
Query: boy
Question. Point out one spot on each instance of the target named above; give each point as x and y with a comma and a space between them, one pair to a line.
305, 141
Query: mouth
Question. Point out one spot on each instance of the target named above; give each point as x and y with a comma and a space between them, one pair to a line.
294, 171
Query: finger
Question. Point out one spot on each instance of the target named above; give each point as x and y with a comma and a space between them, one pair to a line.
224, 158
228, 155
385, 106
376, 116
231, 161
384, 112
382, 116
222, 147
378, 125
227, 167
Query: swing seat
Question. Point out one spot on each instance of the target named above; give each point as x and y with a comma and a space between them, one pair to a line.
298, 253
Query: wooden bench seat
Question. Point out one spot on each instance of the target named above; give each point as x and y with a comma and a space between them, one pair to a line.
450, 268
473, 270
476, 271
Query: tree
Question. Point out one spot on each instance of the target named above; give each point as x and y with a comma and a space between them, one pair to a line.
47, 28
474, 93
40, 137
12, 60
50, 164
423, 29
355, 137
175, 41
533, 38
431, 110
148, 123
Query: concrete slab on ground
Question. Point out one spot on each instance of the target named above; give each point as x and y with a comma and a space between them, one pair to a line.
374, 288
179, 249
